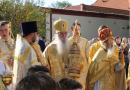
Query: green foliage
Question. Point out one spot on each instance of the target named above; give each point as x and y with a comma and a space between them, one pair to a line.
17, 11
59, 4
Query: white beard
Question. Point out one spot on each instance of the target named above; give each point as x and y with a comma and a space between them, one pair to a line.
63, 47
110, 51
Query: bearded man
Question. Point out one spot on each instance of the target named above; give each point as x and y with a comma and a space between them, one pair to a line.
25, 55
104, 65
94, 48
56, 53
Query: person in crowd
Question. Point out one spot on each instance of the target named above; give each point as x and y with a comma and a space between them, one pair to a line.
104, 65
7, 44
122, 48
56, 53
37, 68
128, 46
70, 84
25, 55
40, 42
94, 40
38, 81
124, 42
84, 48
44, 38
94, 48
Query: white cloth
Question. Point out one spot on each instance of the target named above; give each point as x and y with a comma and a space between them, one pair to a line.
25, 57
118, 67
2, 68
97, 85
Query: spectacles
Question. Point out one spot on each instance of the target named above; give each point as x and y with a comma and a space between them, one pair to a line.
63, 33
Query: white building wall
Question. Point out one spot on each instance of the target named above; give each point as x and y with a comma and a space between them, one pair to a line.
90, 25
48, 26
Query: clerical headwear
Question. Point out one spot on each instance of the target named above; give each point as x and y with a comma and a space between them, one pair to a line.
29, 27
105, 34
61, 25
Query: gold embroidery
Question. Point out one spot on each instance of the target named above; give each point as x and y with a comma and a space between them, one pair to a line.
50, 60
33, 62
54, 51
2, 86
24, 56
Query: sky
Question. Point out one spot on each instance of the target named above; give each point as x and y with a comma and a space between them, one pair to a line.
73, 2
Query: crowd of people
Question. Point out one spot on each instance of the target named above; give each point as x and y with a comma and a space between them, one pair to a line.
67, 63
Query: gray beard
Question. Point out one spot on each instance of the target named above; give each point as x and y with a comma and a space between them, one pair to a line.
110, 52
63, 47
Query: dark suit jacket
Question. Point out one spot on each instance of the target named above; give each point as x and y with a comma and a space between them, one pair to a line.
42, 44
126, 53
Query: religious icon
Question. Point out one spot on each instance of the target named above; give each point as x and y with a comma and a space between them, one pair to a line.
63, 25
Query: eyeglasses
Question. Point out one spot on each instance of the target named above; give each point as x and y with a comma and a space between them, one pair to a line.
63, 33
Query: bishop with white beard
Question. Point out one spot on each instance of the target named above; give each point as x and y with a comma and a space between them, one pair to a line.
56, 53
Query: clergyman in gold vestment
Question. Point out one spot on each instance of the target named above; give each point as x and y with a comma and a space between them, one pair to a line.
84, 48
7, 44
56, 53
104, 65
25, 55
94, 48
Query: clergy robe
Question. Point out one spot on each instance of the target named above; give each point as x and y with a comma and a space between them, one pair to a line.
25, 57
84, 50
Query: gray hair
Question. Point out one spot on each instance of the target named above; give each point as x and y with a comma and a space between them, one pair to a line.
125, 38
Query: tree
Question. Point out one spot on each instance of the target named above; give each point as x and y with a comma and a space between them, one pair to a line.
59, 4
17, 11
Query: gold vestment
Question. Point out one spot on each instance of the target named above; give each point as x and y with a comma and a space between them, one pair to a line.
56, 62
25, 57
84, 51
7, 51
102, 68
94, 48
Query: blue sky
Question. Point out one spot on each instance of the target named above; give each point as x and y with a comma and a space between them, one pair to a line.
73, 2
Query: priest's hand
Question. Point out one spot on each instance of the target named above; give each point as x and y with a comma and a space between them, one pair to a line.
121, 56
90, 88
11, 62
120, 48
